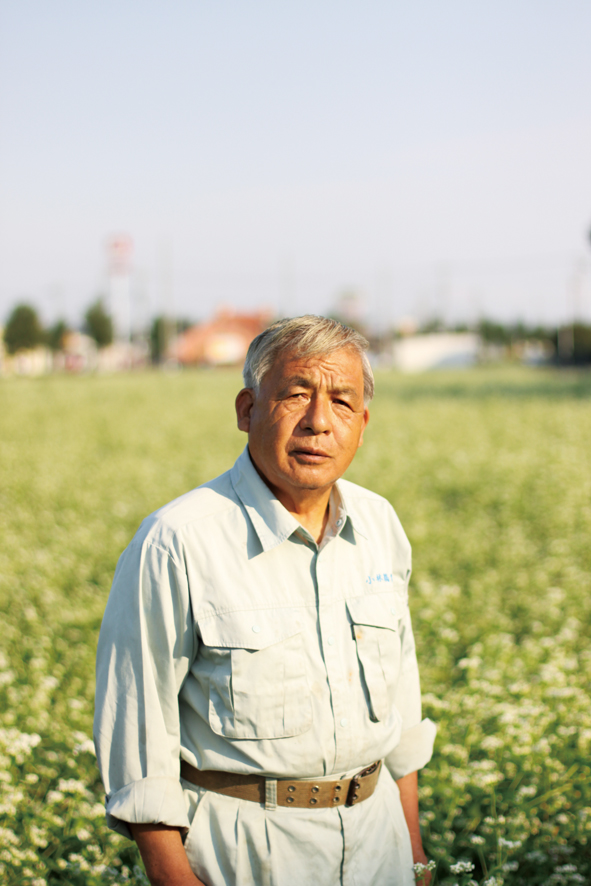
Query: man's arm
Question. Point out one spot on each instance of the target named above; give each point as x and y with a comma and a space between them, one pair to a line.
146, 646
409, 798
164, 856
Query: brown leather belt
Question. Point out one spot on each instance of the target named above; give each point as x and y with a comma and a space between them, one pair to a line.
290, 792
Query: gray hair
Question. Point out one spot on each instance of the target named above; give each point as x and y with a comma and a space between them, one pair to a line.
306, 336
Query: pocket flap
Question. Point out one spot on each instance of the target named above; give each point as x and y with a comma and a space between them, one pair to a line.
377, 610
248, 628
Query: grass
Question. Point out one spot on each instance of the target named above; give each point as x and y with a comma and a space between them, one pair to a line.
490, 473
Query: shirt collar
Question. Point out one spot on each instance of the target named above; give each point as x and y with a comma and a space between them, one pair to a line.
272, 522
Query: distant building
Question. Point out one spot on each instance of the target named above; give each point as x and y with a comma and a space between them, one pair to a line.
223, 341
32, 361
81, 354
437, 350
78, 354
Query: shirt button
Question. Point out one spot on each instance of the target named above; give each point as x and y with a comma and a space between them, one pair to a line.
344, 721
256, 629
331, 641
339, 521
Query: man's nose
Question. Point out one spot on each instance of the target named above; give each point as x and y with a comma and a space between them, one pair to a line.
317, 417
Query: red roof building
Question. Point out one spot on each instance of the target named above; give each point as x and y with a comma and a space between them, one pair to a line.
223, 341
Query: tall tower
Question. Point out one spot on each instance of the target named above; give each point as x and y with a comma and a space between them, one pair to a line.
119, 251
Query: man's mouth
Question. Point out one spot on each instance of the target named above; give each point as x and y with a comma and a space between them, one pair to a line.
309, 455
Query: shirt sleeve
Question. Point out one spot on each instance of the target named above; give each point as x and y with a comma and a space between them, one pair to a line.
144, 653
415, 748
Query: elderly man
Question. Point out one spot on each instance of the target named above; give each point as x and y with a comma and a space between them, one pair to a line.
258, 713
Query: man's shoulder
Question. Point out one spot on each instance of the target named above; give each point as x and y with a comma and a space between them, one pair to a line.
203, 505
372, 512
360, 495
366, 501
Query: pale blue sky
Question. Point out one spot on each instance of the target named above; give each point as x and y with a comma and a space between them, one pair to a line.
436, 157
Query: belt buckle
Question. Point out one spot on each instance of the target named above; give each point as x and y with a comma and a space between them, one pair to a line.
355, 784
353, 792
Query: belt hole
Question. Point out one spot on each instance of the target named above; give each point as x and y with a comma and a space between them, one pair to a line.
335, 799
315, 789
337, 787
290, 799
313, 800
291, 788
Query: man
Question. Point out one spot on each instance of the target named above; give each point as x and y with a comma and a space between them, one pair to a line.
257, 685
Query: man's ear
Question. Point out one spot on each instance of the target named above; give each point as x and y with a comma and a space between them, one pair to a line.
244, 404
365, 421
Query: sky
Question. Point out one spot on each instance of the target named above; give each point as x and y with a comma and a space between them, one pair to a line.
432, 158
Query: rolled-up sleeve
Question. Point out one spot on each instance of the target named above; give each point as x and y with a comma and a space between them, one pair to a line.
145, 650
415, 748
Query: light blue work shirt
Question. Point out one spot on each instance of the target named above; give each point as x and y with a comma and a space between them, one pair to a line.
233, 641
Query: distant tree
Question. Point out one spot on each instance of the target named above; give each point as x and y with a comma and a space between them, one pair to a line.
55, 335
99, 324
161, 332
23, 329
573, 344
493, 332
435, 324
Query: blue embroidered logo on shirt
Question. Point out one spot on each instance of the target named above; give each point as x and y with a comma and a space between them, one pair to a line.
379, 577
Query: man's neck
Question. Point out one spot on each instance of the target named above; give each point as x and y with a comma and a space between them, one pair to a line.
310, 507
315, 521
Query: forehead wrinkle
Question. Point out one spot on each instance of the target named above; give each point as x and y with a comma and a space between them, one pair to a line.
301, 381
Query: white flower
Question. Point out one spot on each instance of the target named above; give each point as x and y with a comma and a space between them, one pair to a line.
97, 811
509, 844
85, 747
420, 868
462, 867
39, 837
510, 866
77, 704
491, 743
71, 786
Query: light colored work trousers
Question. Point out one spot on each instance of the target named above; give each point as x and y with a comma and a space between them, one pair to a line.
240, 843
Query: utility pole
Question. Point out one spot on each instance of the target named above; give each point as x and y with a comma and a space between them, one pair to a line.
119, 250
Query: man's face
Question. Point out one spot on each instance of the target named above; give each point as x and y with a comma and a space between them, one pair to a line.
306, 422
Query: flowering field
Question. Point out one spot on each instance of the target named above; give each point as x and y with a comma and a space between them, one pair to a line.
490, 472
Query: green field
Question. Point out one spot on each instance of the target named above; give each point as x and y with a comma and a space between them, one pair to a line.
490, 473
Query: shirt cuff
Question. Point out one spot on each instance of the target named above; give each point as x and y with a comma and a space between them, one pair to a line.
148, 801
414, 749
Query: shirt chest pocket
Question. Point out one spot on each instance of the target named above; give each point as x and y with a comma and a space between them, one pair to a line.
257, 675
375, 625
